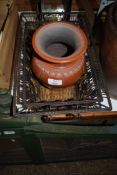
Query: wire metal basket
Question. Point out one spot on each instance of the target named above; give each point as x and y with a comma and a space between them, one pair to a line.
91, 92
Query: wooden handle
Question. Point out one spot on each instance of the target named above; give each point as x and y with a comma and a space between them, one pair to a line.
98, 115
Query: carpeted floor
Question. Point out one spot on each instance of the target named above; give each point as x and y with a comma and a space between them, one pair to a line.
94, 167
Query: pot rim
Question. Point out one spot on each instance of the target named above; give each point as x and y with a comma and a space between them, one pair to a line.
55, 59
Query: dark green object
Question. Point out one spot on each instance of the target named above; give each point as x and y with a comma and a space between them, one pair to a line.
36, 142
3, 92
5, 102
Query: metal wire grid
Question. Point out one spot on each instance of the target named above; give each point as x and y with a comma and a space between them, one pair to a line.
92, 92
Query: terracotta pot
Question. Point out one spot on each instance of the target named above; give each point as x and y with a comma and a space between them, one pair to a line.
60, 49
109, 50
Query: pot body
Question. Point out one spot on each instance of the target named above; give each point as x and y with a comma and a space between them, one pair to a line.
58, 75
109, 50
60, 54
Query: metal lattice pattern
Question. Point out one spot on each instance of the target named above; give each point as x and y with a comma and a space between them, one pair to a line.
92, 95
